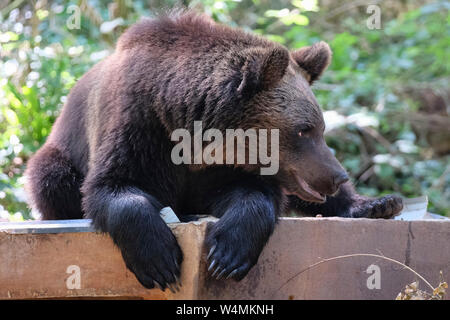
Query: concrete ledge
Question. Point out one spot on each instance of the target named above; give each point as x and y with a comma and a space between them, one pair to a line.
37, 261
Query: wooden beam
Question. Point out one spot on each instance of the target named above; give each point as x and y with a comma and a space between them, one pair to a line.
66, 259
41, 259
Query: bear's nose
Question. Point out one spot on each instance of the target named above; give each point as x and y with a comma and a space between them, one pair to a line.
340, 179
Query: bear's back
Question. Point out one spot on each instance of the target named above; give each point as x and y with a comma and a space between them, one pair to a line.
186, 30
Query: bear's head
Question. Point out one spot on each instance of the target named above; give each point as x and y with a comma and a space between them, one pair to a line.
278, 83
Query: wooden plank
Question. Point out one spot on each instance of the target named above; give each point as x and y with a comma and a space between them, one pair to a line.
51, 226
36, 265
45, 265
282, 271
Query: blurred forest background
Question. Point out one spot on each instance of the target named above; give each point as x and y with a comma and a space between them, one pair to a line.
385, 96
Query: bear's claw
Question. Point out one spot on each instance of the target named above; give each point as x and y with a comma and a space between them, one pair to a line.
226, 263
211, 251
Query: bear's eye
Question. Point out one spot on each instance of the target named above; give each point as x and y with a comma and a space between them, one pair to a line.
304, 130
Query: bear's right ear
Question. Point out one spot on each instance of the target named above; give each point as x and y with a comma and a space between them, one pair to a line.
313, 59
262, 69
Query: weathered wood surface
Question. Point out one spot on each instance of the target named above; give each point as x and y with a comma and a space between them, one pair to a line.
39, 265
36, 260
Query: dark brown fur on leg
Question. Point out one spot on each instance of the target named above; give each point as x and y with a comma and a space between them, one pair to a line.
347, 203
54, 185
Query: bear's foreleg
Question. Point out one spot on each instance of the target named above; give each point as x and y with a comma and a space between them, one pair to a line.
248, 215
132, 218
347, 203
53, 184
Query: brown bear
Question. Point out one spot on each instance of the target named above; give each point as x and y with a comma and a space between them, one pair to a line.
108, 156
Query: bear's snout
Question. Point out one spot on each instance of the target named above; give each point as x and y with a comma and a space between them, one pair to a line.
338, 180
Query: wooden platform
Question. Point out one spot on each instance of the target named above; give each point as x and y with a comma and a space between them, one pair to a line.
67, 259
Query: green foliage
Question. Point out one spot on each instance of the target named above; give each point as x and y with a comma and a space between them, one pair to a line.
371, 94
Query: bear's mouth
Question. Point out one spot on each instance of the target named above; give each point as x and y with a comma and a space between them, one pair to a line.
306, 192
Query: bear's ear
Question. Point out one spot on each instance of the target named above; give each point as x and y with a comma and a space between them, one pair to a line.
261, 69
313, 59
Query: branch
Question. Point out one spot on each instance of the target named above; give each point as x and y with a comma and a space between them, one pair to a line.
350, 256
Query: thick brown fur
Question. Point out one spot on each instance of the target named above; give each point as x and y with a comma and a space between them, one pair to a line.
108, 156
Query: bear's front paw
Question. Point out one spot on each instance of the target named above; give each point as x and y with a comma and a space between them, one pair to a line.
230, 254
155, 260
385, 207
